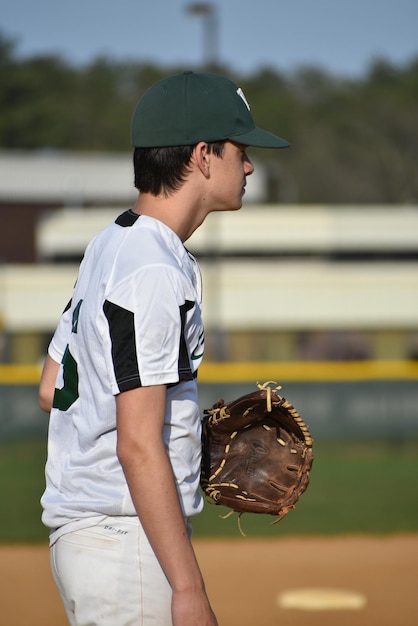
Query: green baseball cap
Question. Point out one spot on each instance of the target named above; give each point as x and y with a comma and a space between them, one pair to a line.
187, 108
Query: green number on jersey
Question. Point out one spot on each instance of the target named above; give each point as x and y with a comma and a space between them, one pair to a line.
65, 397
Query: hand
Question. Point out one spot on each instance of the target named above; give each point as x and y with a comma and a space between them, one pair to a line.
192, 608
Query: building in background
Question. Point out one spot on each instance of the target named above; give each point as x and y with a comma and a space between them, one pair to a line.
282, 282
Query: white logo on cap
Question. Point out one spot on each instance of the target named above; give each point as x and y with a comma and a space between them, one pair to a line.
241, 95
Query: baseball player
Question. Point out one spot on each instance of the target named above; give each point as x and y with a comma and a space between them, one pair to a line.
119, 381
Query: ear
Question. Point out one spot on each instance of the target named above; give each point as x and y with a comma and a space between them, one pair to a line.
202, 158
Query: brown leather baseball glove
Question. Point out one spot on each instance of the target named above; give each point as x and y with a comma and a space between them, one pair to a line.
256, 453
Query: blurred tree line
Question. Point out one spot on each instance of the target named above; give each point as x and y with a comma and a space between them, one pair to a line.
352, 141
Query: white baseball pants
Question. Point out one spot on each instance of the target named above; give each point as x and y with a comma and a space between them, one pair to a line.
108, 575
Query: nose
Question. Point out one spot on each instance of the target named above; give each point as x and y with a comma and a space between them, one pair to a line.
248, 166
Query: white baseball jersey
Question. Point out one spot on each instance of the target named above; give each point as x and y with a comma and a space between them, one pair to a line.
134, 320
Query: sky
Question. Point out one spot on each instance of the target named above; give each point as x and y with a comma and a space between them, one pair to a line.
342, 37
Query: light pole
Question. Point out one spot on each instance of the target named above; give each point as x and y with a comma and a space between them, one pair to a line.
208, 12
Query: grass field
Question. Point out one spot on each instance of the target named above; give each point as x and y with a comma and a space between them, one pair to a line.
356, 487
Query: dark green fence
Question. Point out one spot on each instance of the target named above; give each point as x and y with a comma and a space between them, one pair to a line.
333, 410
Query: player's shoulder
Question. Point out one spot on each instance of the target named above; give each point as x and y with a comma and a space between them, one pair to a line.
155, 242
135, 242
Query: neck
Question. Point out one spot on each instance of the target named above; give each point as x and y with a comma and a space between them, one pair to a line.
176, 211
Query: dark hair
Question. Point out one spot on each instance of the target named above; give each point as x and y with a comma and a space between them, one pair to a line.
164, 170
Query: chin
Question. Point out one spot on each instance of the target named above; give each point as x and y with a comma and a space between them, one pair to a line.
237, 207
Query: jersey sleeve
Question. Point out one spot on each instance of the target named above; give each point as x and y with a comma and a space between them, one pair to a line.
61, 336
148, 318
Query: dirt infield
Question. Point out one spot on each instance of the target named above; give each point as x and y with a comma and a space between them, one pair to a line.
245, 578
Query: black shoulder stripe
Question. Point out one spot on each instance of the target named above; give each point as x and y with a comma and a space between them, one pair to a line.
122, 335
128, 218
184, 369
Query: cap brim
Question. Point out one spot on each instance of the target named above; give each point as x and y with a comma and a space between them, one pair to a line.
259, 138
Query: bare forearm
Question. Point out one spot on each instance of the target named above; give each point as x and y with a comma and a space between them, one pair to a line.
153, 490
152, 485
